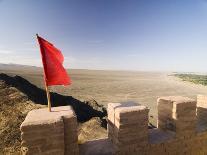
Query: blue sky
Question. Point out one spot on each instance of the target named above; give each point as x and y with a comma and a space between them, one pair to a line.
149, 35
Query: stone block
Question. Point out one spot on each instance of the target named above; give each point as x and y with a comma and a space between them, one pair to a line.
177, 114
44, 132
127, 126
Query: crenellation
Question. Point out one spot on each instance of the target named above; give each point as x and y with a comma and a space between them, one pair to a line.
176, 134
127, 127
45, 132
181, 130
181, 118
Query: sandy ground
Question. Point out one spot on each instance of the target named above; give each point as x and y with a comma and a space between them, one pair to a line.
117, 86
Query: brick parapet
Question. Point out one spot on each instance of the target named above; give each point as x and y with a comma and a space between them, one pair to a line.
178, 131
45, 132
182, 129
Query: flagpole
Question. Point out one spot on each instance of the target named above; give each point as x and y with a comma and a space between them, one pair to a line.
48, 97
46, 89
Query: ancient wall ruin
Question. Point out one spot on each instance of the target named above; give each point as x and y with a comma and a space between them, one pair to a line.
181, 130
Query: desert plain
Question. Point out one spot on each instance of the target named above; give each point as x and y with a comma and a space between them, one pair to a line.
114, 86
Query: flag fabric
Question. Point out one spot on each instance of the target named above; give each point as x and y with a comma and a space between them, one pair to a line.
52, 59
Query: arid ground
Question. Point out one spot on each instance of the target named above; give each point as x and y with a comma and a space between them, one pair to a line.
89, 92
114, 86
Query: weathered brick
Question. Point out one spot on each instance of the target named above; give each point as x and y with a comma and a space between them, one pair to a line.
47, 133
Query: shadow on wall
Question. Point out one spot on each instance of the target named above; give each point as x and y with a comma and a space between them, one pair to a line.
84, 110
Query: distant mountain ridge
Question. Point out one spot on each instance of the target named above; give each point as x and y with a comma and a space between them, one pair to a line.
12, 66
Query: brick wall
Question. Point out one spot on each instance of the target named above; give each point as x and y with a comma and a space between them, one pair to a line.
50, 133
179, 131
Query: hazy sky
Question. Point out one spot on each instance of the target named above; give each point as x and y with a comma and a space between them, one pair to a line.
158, 35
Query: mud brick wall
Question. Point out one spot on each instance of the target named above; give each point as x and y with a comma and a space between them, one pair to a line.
128, 127
178, 131
181, 129
177, 114
202, 109
50, 133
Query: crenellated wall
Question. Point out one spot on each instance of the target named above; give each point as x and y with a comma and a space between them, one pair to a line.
178, 132
181, 130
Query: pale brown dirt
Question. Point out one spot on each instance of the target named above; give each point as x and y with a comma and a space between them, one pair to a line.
91, 130
100, 87
18, 97
116, 86
14, 106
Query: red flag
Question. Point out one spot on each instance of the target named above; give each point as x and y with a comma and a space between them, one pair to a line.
52, 60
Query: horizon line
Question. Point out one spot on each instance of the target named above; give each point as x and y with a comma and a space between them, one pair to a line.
124, 70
